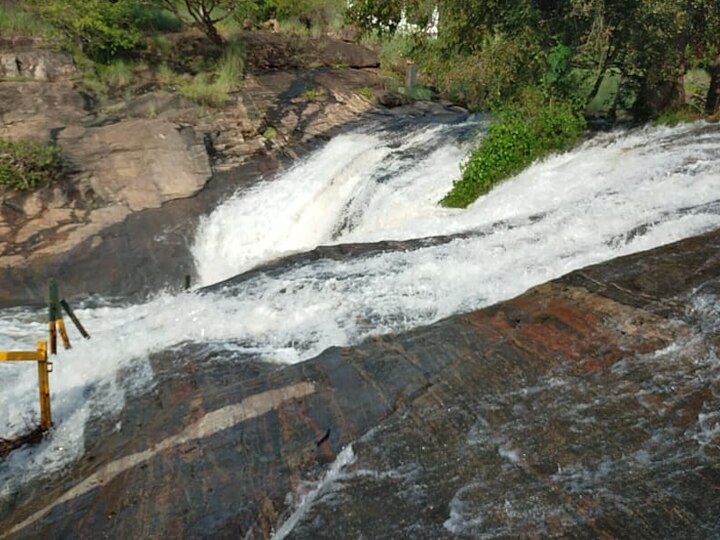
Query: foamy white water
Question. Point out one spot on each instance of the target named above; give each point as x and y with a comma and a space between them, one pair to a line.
616, 194
314, 202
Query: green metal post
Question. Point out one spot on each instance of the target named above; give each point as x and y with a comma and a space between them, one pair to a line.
74, 319
53, 314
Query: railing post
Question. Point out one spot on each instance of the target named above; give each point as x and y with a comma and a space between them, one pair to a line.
74, 319
53, 315
44, 368
411, 71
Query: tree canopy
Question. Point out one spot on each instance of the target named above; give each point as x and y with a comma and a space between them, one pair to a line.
648, 45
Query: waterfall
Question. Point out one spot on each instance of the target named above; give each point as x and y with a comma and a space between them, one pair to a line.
617, 193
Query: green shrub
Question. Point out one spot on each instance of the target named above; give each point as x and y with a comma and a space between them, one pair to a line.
212, 89
148, 17
394, 52
495, 73
514, 140
27, 165
99, 28
167, 77
309, 16
160, 44
677, 116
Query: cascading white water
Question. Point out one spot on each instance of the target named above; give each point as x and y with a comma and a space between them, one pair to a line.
313, 203
618, 193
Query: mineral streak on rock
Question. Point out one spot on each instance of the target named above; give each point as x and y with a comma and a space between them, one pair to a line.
584, 408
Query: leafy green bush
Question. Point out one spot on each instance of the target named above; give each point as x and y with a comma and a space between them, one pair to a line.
150, 17
495, 73
311, 94
514, 140
394, 52
270, 133
678, 116
27, 165
99, 28
117, 74
167, 77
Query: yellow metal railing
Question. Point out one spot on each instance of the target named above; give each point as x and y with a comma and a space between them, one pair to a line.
56, 325
44, 368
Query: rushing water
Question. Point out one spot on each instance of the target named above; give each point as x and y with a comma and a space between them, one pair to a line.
616, 194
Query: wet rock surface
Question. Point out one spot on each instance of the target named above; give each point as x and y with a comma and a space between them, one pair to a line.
584, 408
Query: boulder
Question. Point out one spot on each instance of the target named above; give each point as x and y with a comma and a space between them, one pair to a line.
335, 52
116, 169
266, 50
139, 163
36, 64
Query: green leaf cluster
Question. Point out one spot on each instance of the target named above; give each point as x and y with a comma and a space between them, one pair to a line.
27, 165
99, 28
514, 140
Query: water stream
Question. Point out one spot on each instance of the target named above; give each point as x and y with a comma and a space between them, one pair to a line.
617, 193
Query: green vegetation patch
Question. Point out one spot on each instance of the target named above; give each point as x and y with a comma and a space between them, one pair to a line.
16, 21
27, 165
366, 92
678, 116
311, 94
270, 133
213, 89
514, 140
417, 93
204, 92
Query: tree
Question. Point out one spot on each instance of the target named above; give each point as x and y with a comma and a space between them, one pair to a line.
204, 14
712, 101
381, 16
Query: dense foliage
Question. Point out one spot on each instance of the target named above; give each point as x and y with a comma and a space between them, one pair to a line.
515, 139
99, 28
26, 165
489, 49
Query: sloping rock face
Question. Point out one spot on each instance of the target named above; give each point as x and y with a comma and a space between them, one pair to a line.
118, 168
585, 408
